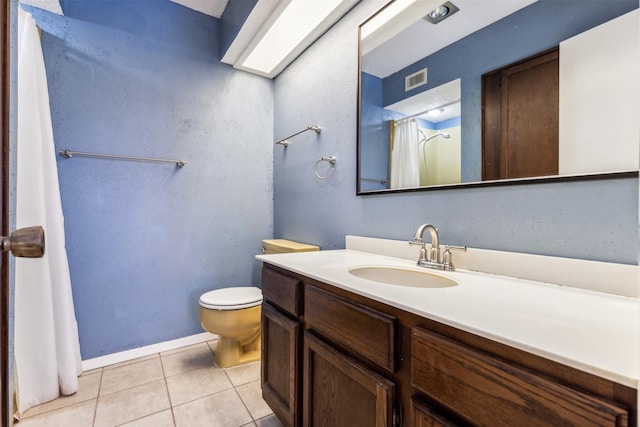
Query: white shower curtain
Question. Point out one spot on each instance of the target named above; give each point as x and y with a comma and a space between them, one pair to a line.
405, 166
47, 350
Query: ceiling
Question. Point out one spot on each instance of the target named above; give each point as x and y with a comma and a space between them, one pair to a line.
208, 7
213, 8
50, 5
414, 40
446, 97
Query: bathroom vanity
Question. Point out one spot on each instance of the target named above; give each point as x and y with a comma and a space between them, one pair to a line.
339, 350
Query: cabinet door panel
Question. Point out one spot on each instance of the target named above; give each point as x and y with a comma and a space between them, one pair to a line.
423, 416
489, 391
280, 365
340, 392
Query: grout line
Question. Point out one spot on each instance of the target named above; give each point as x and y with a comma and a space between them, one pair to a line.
245, 405
95, 410
166, 385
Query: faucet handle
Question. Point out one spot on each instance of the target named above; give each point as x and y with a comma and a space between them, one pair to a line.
414, 242
446, 256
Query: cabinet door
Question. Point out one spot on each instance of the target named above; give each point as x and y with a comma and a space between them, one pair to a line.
280, 365
423, 416
520, 121
341, 392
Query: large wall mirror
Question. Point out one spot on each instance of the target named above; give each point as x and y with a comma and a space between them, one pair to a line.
469, 92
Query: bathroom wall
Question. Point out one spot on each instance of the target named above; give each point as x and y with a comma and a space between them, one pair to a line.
145, 240
594, 219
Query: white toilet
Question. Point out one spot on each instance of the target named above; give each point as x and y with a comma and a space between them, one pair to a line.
234, 313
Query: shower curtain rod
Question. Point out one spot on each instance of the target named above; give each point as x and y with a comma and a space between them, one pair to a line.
284, 141
69, 154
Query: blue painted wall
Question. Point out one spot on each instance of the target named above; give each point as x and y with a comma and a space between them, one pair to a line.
374, 128
145, 240
594, 220
511, 39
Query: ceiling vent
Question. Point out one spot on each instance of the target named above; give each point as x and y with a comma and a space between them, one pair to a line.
414, 80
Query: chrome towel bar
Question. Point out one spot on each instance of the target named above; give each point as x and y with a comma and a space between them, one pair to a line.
69, 154
285, 141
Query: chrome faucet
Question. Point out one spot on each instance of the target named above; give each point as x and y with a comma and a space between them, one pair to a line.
431, 258
433, 255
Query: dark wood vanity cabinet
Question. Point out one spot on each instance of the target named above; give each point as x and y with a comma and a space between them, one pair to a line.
281, 345
334, 358
318, 367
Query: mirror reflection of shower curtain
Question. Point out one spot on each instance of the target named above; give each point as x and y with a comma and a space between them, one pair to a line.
47, 349
405, 166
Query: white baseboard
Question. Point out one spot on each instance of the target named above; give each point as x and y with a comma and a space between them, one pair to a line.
123, 356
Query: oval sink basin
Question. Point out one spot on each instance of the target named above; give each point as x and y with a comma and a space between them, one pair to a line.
400, 276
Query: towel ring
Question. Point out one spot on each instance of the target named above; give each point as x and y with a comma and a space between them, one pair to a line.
330, 159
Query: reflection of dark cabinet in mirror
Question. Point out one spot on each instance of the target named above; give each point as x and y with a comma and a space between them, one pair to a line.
520, 119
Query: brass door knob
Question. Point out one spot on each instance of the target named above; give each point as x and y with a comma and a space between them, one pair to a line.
25, 243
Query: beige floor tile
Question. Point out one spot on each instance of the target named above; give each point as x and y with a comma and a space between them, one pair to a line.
243, 374
224, 409
88, 386
270, 421
78, 415
193, 385
132, 404
188, 360
251, 395
124, 377
159, 419
181, 349
249, 425
132, 361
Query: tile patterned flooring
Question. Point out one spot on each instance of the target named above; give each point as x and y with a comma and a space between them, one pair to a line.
181, 387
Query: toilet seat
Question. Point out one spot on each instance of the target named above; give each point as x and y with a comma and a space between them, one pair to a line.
232, 298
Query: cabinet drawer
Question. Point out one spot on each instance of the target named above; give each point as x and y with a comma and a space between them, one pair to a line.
282, 291
489, 391
367, 332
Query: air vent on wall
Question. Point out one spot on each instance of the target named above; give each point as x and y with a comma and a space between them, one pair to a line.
416, 79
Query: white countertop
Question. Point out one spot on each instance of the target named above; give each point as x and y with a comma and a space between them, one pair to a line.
591, 331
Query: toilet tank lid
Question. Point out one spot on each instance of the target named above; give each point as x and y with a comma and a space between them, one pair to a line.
232, 298
276, 246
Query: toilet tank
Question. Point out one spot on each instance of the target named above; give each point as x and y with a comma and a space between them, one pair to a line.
281, 246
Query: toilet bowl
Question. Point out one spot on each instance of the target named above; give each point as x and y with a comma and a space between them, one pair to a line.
234, 313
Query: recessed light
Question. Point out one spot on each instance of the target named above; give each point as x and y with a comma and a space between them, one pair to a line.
441, 12
435, 112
